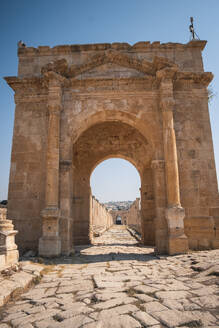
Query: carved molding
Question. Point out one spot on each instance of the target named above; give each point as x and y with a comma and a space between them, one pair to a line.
200, 78
109, 56
58, 73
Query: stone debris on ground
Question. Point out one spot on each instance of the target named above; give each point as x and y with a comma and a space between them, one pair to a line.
117, 284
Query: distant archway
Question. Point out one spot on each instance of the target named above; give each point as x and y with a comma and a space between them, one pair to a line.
119, 220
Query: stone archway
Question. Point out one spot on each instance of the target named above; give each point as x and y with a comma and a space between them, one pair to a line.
118, 220
68, 97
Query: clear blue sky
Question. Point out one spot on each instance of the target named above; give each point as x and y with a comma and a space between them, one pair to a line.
53, 22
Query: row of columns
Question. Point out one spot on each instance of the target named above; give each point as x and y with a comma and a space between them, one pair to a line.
173, 241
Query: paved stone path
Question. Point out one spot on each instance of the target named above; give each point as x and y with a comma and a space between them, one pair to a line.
116, 284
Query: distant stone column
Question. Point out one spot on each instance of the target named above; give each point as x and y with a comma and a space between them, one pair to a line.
50, 242
8, 248
177, 241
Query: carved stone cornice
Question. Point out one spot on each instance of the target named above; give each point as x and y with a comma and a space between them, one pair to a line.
21, 84
58, 74
144, 46
200, 78
166, 74
110, 56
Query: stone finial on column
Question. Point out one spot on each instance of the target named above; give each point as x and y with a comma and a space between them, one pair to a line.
8, 249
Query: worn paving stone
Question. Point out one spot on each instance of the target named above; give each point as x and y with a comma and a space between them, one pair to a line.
173, 305
105, 296
76, 322
172, 295
144, 298
174, 318
122, 321
122, 309
145, 319
75, 309
209, 302
119, 291
114, 302
205, 317
45, 323
151, 307
145, 289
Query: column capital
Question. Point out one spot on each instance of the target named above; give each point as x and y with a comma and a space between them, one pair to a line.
166, 74
54, 95
53, 79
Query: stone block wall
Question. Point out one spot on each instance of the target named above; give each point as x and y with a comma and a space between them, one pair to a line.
134, 216
100, 218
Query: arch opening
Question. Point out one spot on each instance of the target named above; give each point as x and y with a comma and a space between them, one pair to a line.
118, 219
116, 184
101, 142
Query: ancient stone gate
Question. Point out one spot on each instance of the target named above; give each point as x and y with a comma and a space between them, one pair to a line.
77, 105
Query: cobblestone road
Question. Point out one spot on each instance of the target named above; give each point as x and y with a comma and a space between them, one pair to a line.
116, 284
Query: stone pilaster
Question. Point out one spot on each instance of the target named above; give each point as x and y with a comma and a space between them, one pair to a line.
66, 220
177, 241
158, 167
50, 242
8, 249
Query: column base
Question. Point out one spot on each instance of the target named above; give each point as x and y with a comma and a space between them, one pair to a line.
8, 257
178, 245
177, 240
49, 246
215, 243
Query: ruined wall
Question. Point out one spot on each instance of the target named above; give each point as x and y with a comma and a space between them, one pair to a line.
100, 218
134, 216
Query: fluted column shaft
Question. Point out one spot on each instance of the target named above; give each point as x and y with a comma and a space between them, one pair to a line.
52, 178
169, 139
